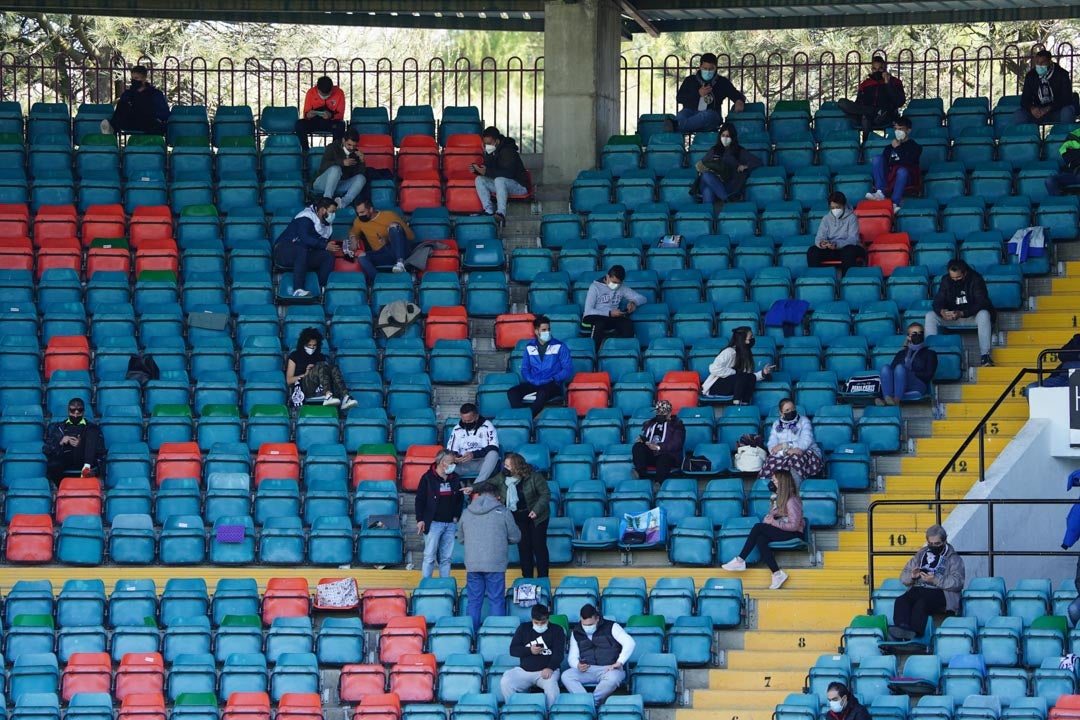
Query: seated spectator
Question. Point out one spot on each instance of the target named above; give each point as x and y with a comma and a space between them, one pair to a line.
74, 445
1070, 159
546, 367
323, 111
502, 174
1069, 359
309, 373
878, 102
912, 368
843, 705
341, 172
897, 165
440, 498
732, 371
700, 96
660, 444
599, 650
526, 494
962, 300
474, 442
792, 446
1047, 96
837, 237
724, 169
934, 578
784, 521
540, 645
378, 237
305, 245
608, 306
141, 108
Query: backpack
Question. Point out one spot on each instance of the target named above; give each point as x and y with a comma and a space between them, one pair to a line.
142, 369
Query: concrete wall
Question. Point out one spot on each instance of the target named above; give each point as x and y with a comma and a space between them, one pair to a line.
1053, 405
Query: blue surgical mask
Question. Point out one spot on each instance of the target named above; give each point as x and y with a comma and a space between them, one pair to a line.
451, 468
541, 629
545, 336
708, 75
588, 629
1042, 70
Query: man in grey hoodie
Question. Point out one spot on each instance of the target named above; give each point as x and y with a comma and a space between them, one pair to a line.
486, 529
608, 306
837, 237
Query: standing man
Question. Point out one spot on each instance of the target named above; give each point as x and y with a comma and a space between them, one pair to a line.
897, 165
141, 108
962, 300
546, 367
660, 443
378, 237
487, 529
599, 650
74, 445
305, 244
474, 444
608, 306
878, 101
324, 111
935, 579
1047, 96
837, 237
502, 173
540, 645
700, 96
341, 172
439, 500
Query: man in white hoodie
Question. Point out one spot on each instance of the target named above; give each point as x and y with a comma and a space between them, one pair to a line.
837, 237
608, 306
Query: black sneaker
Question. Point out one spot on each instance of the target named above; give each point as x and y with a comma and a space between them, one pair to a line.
986, 361
500, 219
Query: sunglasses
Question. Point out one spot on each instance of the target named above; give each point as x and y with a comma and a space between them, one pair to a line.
76, 411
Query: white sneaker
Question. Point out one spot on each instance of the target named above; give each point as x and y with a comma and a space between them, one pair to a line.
337, 201
876, 195
895, 208
399, 267
331, 400
778, 578
734, 565
107, 128
348, 402
301, 293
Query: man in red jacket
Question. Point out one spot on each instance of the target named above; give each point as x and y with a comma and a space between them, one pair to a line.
881, 95
324, 111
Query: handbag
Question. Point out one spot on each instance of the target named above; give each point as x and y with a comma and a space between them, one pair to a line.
863, 385
750, 458
696, 463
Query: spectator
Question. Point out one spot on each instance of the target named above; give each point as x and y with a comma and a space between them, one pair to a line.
546, 367
378, 237
540, 645
897, 165
305, 244
660, 444
1047, 96
700, 96
837, 237
963, 301
309, 373
912, 368
503, 173
599, 650
609, 303
784, 521
843, 705
74, 445
341, 172
935, 579
487, 530
1068, 359
439, 501
474, 443
878, 101
141, 108
323, 112
732, 371
526, 494
724, 169
792, 446
1070, 159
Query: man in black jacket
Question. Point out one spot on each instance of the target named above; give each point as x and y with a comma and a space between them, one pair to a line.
660, 443
700, 96
141, 108
502, 174
963, 301
1047, 96
843, 705
74, 445
540, 645
599, 650
341, 171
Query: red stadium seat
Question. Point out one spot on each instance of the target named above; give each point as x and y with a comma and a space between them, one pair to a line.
461, 196
102, 221
299, 706
140, 673
286, 597
402, 636
247, 706
142, 706
277, 460
150, 222
157, 254
113, 259
86, 673
55, 221
381, 605
444, 259
66, 352
77, 496
59, 253
681, 388
378, 151
358, 681
30, 539
875, 218
889, 251
178, 460
446, 323
423, 189
374, 467
529, 189
16, 254
417, 157
588, 390
460, 152
417, 461
14, 221
379, 707
412, 678
510, 328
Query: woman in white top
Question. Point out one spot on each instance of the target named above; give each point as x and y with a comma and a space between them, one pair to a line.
732, 372
792, 446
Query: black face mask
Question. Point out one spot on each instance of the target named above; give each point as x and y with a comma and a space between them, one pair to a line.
750, 342
916, 338
789, 416
363, 218
136, 84
470, 426
75, 419
877, 76
772, 486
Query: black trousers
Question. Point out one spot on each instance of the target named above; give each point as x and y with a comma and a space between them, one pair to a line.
306, 126
760, 536
126, 117
71, 459
740, 385
913, 608
604, 325
849, 256
644, 457
532, 547
544, 395
867, 117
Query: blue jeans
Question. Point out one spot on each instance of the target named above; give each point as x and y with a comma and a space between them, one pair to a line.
881, 179
897, 380
1067, 114
712, 187
503, 188
689, 120
479, 585
1055, 183
392, 252
302, 258
331, 185
438, 547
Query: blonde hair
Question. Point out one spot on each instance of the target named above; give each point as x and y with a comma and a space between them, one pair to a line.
785, 488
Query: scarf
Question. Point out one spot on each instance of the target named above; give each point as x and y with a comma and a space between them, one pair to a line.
792, 426
512, 493
1045, 92
911, 350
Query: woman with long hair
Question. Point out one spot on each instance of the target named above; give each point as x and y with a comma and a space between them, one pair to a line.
784, 521
525, 492
911, 369
732, 371
309, 373
725, 168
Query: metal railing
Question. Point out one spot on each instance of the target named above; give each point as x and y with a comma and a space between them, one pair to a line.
510, 92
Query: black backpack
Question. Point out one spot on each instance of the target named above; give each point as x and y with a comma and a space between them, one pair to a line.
142, 369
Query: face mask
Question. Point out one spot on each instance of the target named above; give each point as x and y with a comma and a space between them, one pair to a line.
545, 336
837, 212
588, 629
750, 342
540, 628
916, 338
1042, 70
136, 84
330, 218
451, 468
708, 75
725, 141
310, 350
772, 486
613, 286
901, 135
789, 416
363, 218
489, 149
75, 419
836, 705
324, 97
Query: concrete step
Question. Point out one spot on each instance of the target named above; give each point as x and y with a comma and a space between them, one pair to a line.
759, 660
777, 641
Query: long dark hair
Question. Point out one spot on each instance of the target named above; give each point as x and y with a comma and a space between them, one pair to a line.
744, 356
731, 130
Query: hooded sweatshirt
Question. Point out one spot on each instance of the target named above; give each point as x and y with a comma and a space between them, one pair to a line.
487, 530
601, 299
306, 229
968, 295
843, 230
505, 162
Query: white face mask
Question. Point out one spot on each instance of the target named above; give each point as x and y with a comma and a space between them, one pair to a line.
588, 629
613, 285
545, 336
837, 212
451, 468
901, 135
725, 141
836, 705
540, 628
489, 149
330, 218
310, 350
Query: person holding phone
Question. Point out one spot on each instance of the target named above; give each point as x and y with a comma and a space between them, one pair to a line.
323, 111
74, 445
732, 372
305, 245
934, 578
141, 108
